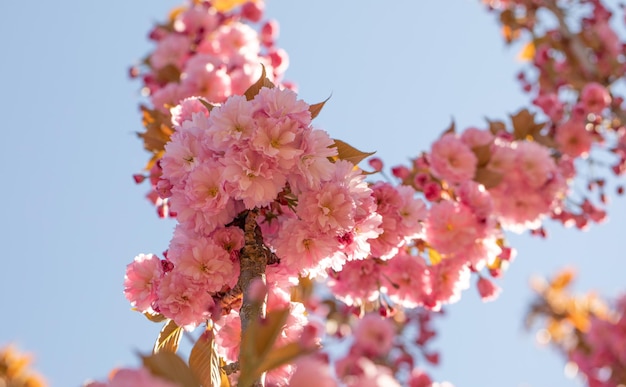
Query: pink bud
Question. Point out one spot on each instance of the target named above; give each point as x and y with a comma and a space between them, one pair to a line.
432, 191
269, 33
253, 10
280, 60
376, 163
595, 97
487, 290
432, 358
139, 178
401, 172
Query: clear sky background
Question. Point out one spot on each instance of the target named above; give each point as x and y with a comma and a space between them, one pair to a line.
72, 218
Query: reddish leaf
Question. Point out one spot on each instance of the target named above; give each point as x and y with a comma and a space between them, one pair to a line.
349, 153
205, 362
169, 366
487, 177
157, 318
258, 85
280, 356
169, 338
315, 109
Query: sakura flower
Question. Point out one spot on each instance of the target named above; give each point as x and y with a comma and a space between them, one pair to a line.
141, 281
330, 208
205, 263
357, 282
252, 178
407, 280
573, 139
449, 278
183, 301
127, 377
450, 227
282, 103
171, 50
230, 123
373, 336
228, 336
185, 110
312, 368
452, 160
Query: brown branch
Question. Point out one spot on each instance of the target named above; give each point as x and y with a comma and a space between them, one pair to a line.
573, 47
253, 259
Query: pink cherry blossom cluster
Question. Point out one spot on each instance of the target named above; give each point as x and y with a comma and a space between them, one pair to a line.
244, 155
603, 358
202, 52
381, 346
574, 67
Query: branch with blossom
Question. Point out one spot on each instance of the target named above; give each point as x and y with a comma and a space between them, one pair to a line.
266, 204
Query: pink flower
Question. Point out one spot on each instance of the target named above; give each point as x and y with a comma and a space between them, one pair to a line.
281, 103
171, 50
473, 137
229, 238
183, 301
407, 280
127, 377
279, 139
330, 208
357, 282
312, 368
551, 106
451, 227
452, 160
373, 336
205, 263
203, 201
231, 123
535, 163
204, 76
228, 336
303, 249
186, 109
182, 154
449, 278
573, 139
419, 378
252, 177
141, 281
313, 166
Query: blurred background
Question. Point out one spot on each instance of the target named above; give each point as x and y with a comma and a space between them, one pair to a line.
72, 217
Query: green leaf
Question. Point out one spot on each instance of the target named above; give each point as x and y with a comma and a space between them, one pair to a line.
168, 365
205, 362
169, 338
315, 109
350, 153
258, 85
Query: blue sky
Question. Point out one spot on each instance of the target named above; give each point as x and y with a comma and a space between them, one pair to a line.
72, 219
